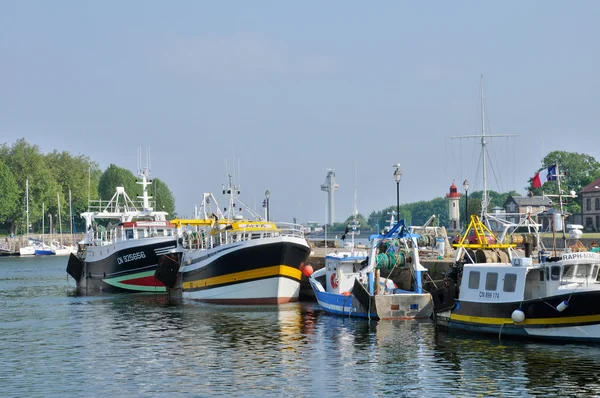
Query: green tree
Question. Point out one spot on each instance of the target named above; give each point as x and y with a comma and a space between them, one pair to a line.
163, 197
27, 162
114, 177
77, 174
9, 197
578, 170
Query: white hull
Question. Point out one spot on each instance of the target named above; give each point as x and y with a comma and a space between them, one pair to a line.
277, 289
65, 251
575, 333
27, 251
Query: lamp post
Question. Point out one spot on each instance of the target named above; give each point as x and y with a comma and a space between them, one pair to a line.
466, 187
267, 196
397, 178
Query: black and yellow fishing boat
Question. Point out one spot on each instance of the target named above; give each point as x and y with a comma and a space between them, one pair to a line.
227, 258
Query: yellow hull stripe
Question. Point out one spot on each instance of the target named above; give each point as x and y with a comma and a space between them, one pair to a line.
536, 321
276, 270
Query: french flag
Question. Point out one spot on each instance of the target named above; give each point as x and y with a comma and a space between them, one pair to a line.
543, 176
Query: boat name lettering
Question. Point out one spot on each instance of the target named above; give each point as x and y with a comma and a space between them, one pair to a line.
579, 256
131, 257
489, 295
151, 223
261, 226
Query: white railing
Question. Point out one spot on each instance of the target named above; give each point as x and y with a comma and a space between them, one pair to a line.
199, 240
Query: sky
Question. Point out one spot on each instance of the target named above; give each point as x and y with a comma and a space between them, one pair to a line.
278, 92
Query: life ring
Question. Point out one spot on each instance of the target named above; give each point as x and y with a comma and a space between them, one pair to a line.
334, 281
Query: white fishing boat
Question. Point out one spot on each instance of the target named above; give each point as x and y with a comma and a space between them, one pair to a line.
493, 289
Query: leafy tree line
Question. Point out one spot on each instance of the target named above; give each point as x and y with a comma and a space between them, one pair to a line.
578, 169
51, 176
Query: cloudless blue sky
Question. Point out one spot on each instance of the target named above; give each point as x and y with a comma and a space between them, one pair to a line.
294, 88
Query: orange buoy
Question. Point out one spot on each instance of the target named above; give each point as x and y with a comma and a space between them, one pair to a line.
345, 293
301, 267
307, 270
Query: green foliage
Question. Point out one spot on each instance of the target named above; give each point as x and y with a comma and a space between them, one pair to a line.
163, 197
9, 194
115, 176
51, 177
418, 213
579, 170
26, 162
78, 174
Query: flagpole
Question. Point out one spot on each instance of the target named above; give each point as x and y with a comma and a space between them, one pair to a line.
561, 207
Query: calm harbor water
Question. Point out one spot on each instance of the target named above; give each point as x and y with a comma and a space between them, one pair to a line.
55, 343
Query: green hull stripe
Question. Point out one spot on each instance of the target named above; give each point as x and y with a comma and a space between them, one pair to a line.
116, 282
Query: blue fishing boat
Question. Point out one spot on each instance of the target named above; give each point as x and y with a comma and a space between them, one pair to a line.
350, 283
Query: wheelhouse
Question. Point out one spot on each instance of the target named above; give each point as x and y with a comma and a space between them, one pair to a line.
144, 229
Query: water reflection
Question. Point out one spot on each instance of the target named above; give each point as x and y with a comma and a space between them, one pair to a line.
57, 344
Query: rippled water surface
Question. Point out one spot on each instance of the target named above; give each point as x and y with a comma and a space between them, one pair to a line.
54, 343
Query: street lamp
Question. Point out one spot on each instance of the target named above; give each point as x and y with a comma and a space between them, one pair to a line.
397, 178
267, 196
466, 187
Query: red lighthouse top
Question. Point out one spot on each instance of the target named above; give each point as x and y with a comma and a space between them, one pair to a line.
453, 192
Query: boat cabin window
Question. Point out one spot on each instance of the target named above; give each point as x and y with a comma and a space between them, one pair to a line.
510, 282
141, 233
474, 280
547, 273
129, 233
160, 232
555, 272
583, 271
542, 275
491, 281
568, 271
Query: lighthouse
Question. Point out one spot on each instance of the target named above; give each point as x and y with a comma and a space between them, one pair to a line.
330, 187
453, 207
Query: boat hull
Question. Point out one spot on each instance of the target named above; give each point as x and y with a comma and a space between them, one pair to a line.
261, 271
27, 251
404, 305
126, 267
578, 322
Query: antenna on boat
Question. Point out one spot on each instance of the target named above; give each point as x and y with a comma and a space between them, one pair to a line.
483, 139
145, 174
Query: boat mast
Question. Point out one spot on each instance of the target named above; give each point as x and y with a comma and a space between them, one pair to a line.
484, 197
560, 205
354, 213
483, 139
59, 219
71, 217
43, 225
27, 206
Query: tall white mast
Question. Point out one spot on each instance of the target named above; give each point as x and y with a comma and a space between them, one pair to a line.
484, 197
27, 206
71, 217
59, 219
483, 137
43, 226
